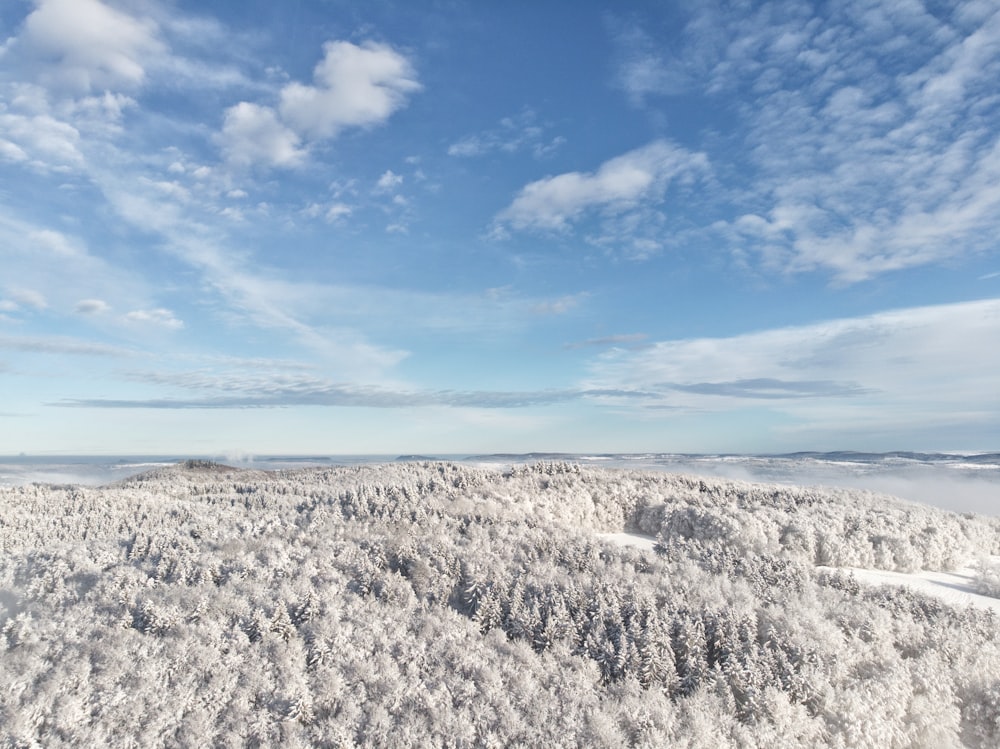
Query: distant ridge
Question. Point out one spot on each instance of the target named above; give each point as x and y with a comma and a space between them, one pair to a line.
837, 456
192, 466
865, 457
533, 456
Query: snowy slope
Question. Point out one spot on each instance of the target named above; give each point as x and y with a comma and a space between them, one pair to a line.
956, 587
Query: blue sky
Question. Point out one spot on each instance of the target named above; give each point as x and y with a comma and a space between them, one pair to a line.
342, 227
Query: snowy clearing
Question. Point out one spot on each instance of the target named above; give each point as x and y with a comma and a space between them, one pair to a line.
957, 587
635, 540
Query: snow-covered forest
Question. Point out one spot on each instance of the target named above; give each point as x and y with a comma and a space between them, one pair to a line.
435, 604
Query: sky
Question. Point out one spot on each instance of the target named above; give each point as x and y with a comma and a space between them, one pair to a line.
332, 227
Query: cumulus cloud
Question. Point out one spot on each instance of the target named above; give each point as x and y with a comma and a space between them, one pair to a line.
619, 185
389, 181
252, 134
354, 86
86, 45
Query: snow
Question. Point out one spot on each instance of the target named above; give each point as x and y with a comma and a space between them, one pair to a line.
645, 543
956, 587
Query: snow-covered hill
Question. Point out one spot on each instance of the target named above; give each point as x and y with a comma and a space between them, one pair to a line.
432, 604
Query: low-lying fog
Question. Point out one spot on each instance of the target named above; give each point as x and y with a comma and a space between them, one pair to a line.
957, 486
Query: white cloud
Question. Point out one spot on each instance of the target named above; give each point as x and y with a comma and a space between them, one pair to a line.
391, 312
643, 70
92, 307
341, 188
356, 86
513, 134
630, 340
619, 185
68, 71
169, 189
28, 298
54, 243
40, 141
273, 386
58, 266
389, 181
101, 112
86, 45
159, 317
163, 192
252, 134
251, 295
61, 345
74, 47
338, 211
559, 306
12, 152
872, 150
471, 145
920, 365
332, 213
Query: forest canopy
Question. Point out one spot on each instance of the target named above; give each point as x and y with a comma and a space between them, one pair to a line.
435, 604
